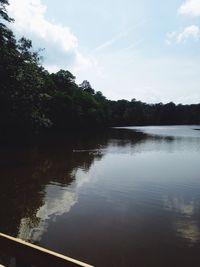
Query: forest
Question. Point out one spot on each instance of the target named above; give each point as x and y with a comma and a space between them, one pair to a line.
32, 99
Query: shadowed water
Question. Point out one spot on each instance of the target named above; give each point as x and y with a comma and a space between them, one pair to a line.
123, 197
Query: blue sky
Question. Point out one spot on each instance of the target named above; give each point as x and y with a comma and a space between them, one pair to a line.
148, 50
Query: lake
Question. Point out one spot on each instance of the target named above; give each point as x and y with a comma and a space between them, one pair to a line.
121, 197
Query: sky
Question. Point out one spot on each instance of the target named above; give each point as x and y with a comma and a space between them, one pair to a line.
142, 49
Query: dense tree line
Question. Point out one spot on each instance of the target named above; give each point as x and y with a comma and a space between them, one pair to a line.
32, 99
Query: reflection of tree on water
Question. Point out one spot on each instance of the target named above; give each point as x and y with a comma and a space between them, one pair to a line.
24, 176
26, 172
30, 175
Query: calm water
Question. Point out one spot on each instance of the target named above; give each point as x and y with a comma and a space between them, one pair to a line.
121, 198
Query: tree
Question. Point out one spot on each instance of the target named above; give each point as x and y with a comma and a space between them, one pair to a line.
64, 80
3, 11
21, 78
86, 87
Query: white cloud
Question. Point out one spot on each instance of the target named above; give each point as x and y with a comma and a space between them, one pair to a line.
189, 32
60, 43
192, 31
30, 17
190, 7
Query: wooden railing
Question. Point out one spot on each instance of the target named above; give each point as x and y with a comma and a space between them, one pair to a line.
30, 254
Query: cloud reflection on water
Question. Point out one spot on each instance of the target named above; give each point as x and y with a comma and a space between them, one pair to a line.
58, 201
185, 224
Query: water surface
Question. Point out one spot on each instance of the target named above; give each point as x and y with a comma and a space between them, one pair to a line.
123, 197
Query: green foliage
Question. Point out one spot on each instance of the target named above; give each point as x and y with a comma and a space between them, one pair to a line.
22, 99
86, 87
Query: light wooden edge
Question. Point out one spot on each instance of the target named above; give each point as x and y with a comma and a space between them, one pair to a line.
45, 250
